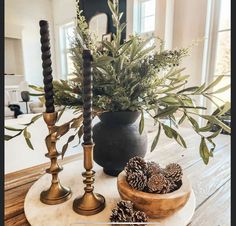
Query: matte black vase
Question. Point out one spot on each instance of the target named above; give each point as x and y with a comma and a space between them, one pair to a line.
117, 139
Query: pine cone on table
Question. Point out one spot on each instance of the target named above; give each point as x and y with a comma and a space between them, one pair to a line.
118, 215
153, 168
173, 172
139, 216
137, 180
158, 184
136, 164
123, 212
126, 206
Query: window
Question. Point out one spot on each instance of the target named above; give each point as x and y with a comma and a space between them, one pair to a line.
223, 49
218, 59
144, 17
147, 16
66, 35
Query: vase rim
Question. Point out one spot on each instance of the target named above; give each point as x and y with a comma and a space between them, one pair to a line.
121, 112
119, 117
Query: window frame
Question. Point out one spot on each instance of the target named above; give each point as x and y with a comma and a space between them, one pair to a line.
215, 20
138, 18
210, 47
64, 51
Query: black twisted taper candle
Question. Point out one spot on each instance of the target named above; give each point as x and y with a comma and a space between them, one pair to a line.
47, 70
87, 96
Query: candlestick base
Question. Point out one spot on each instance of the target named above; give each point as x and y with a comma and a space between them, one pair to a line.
89, 204
56, 194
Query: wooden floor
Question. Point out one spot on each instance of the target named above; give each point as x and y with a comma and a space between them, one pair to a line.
210, 183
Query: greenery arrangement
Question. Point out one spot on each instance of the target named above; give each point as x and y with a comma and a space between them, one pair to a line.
136, 75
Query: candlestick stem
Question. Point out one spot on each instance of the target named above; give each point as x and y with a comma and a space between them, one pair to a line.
90, 203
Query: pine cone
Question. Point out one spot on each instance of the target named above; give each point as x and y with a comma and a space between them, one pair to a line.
175, 185
153, 168
126, 206
139, 216
118, 215
123, 212
137, 180
166, 187
173, 172
136, 164
158, 184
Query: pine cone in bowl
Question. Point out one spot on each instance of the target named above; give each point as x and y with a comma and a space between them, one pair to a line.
158, 184
136, 164
173, 172
137, 180
153, 169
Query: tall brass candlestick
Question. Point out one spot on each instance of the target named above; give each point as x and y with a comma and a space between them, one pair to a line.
56, 193
90, 203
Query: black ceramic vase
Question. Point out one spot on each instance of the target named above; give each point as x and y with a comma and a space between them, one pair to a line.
117, 139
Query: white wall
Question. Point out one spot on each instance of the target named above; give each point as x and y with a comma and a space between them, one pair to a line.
13, 56
189, 26
179, 23
64, 11
129, 17
169, 23
27, 13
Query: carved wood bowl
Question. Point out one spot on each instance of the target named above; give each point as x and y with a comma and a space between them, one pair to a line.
155, 205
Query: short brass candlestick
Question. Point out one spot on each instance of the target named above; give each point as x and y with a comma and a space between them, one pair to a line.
57, 193
90, 203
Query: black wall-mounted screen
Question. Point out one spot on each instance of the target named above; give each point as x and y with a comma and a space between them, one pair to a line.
92, 7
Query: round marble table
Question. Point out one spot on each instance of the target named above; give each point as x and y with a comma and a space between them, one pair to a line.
39, 214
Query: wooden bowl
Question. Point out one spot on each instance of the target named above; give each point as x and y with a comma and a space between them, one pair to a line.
155, 205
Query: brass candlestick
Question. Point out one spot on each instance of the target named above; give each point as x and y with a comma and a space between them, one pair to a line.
89, 203
57, 193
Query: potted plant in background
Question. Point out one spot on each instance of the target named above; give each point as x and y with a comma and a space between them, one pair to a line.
131, 78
